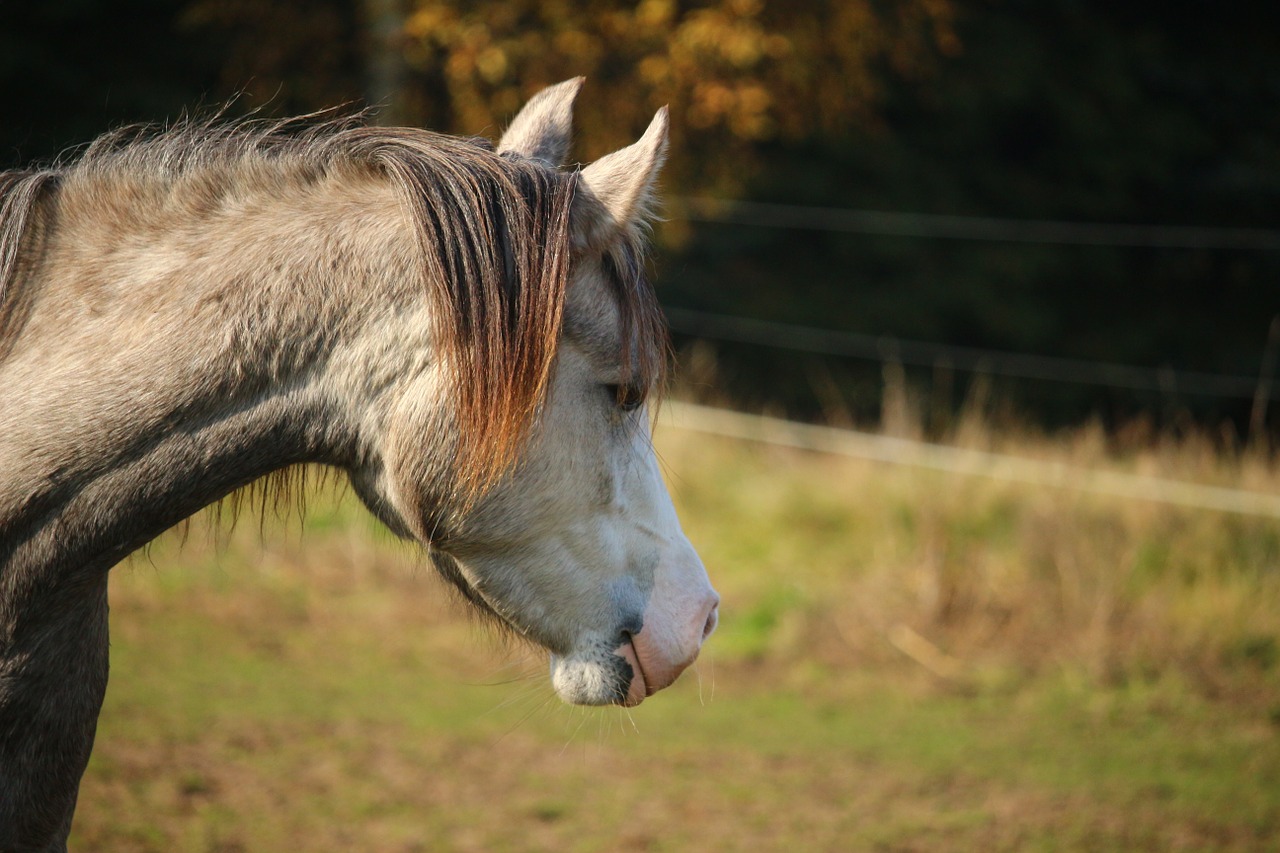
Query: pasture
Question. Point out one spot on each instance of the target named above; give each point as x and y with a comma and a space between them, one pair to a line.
906, 660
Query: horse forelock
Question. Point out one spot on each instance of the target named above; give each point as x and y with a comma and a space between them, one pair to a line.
646, 350
493, 238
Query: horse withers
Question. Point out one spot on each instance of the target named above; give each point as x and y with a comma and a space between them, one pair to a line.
466, 332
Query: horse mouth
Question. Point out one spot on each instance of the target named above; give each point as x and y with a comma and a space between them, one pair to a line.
601, 674
635, 691
624, 669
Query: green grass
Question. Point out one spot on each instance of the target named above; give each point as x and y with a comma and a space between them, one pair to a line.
906, 661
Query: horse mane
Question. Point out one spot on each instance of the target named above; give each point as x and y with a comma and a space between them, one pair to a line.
493, 235
20, 193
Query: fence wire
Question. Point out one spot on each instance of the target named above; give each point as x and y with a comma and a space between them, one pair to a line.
927, 354
983, 228
957, 460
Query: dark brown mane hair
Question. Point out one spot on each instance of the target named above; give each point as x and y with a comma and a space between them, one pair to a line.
493, 233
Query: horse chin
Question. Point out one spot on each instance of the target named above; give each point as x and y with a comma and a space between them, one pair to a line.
599, 676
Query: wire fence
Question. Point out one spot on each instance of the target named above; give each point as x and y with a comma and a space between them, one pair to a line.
1165, 380
966, 462
810, 339
985, 228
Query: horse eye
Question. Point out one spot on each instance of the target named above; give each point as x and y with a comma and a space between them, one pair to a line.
627, 397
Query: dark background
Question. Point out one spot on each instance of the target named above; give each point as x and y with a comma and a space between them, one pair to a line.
1076, 111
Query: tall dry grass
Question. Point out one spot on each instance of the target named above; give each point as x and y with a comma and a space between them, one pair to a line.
979, 582
838, 562
907, 659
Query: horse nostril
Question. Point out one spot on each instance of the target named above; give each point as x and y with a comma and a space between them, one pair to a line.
712, 618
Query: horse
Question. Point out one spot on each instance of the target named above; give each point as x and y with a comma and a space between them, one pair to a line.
465, 331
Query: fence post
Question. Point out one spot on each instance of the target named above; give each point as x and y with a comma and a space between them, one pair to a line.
1261, 397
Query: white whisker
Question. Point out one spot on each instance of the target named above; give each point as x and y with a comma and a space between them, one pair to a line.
574, 736
529, 691
541, 706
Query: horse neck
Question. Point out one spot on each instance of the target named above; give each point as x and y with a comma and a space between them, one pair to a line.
175, 350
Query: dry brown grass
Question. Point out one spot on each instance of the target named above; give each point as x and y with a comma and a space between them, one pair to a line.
907, 661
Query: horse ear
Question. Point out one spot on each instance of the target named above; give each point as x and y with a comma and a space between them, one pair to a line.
543, 128
616, 192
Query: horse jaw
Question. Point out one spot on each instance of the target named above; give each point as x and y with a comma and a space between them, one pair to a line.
664, 604
580, 551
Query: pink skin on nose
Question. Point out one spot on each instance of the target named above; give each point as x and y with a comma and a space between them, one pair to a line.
657, 658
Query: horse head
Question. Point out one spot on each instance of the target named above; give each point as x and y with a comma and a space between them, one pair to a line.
576, 545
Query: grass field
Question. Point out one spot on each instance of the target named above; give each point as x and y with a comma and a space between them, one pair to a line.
906, 661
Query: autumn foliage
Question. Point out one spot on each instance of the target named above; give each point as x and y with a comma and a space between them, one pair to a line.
738, 72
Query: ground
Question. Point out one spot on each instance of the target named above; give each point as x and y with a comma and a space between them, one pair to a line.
907, 661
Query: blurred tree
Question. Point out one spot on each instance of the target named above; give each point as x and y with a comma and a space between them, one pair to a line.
1077, 110
1055, 109
70, 69
286, 56
736, 72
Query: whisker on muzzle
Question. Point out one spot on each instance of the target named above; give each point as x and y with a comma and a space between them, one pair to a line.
697, 670
574, 736
631, 720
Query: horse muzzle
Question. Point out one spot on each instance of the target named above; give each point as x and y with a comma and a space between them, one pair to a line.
644, 662
656, 661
